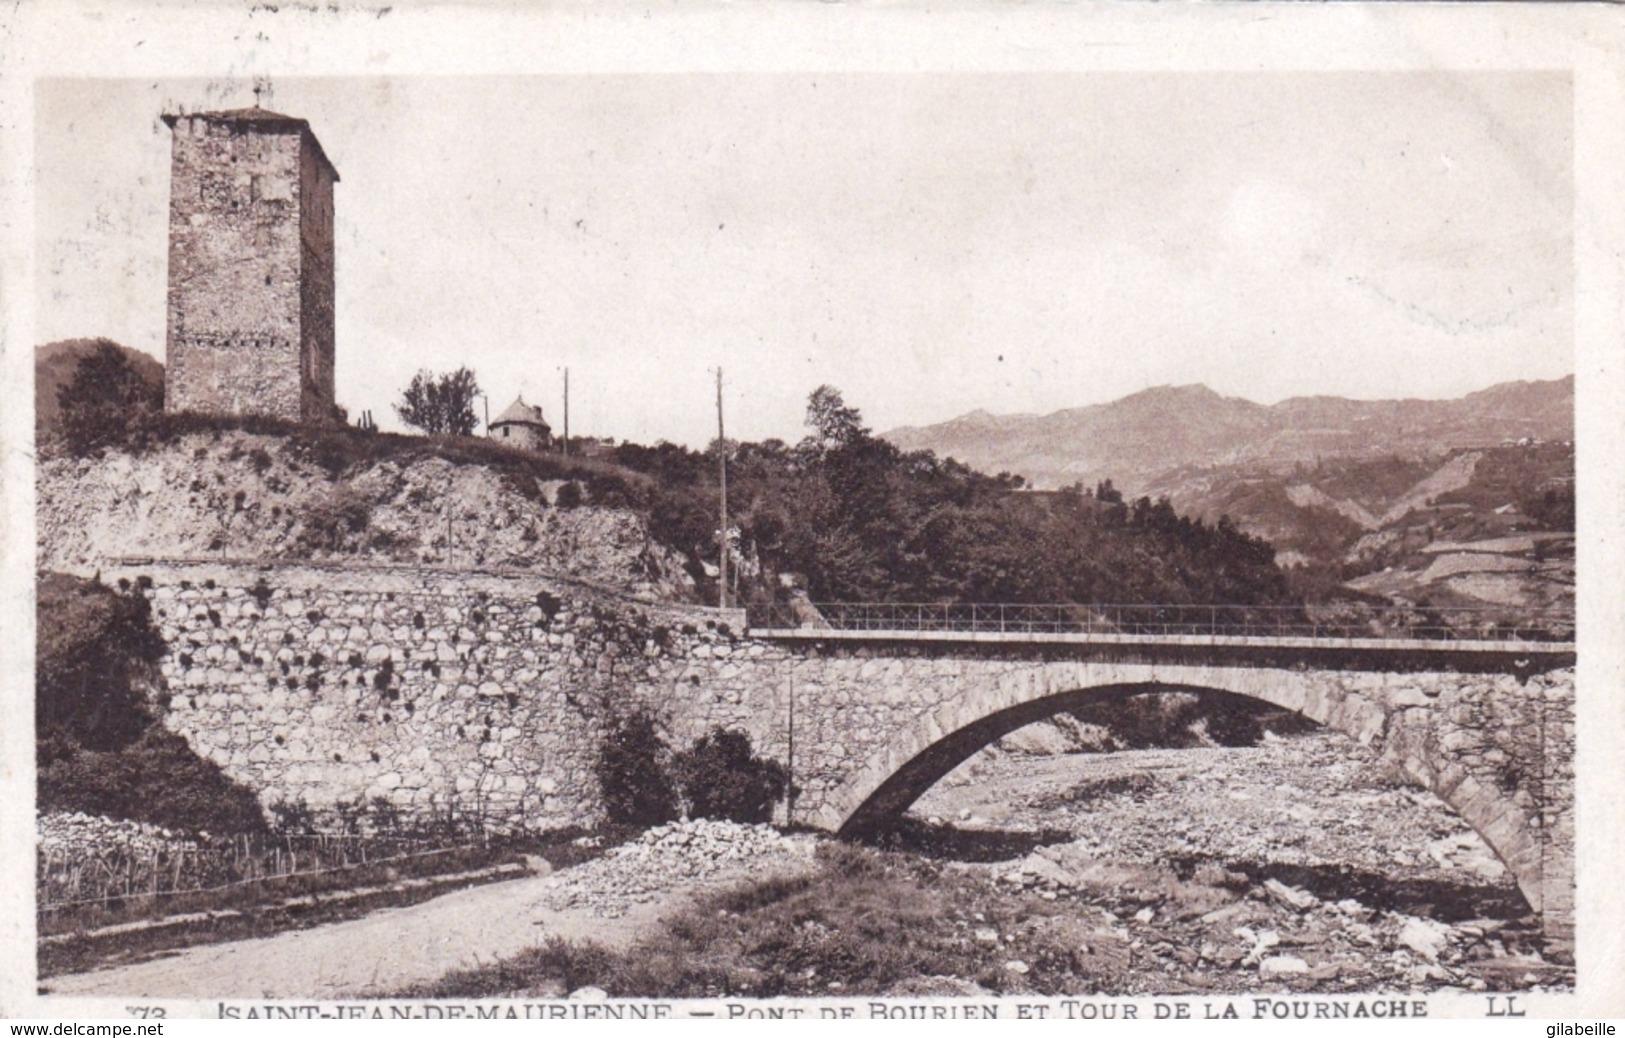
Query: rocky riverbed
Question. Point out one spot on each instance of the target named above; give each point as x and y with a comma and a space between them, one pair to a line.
1301, 863
1298, 865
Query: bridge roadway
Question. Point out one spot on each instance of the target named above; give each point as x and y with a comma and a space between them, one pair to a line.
1491, 653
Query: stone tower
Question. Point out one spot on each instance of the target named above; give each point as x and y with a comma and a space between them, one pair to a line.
250, 267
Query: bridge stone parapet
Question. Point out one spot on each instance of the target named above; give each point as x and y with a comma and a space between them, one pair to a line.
486, 694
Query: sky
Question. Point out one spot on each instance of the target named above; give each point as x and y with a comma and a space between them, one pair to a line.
930, 244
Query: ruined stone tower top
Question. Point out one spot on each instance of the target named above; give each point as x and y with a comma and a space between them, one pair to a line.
250, 267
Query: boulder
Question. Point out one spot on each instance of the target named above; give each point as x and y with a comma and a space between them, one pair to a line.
1291, 897
1424, 937
1282, 966
537, 865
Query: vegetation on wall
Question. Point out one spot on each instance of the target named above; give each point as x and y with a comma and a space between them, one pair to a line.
644, 783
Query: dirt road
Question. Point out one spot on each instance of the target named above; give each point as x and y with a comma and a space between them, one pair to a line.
385, 951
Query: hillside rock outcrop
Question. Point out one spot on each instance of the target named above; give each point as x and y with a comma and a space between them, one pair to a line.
245, 495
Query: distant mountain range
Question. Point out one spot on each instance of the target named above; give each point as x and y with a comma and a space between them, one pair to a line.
1453, 502
1139, 440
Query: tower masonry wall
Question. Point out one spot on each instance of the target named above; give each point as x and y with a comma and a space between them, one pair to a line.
250, 273
316, 288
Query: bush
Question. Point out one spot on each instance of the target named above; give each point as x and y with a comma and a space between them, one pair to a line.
720, 777
631, 771
337, 521
106, 400
97, 654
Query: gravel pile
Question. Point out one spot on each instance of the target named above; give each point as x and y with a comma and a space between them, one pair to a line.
681, 854
85, 835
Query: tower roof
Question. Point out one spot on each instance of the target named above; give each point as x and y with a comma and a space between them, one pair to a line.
519, 411
261, 120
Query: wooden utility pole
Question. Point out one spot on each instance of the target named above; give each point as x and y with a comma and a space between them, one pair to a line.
566, 410
790, 753
722, 470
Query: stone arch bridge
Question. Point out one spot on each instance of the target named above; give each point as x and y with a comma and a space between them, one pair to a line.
1488, 729
486, 693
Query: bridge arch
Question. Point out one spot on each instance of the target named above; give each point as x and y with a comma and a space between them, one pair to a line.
938, 741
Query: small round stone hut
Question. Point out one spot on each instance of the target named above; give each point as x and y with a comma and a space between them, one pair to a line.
521, 425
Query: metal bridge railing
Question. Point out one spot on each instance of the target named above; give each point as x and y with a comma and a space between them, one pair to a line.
1340, 621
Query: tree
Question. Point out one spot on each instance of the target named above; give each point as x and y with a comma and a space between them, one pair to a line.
97, 654
105, 399
834, 424
440, 404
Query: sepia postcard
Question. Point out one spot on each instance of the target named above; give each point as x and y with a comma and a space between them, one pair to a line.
848, 511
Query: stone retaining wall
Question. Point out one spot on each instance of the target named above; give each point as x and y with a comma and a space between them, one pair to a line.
434, 691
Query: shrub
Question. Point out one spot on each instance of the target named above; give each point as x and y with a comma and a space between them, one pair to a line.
106, 400
631, 771
97, 655
332, 524
720, 777
259, 459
